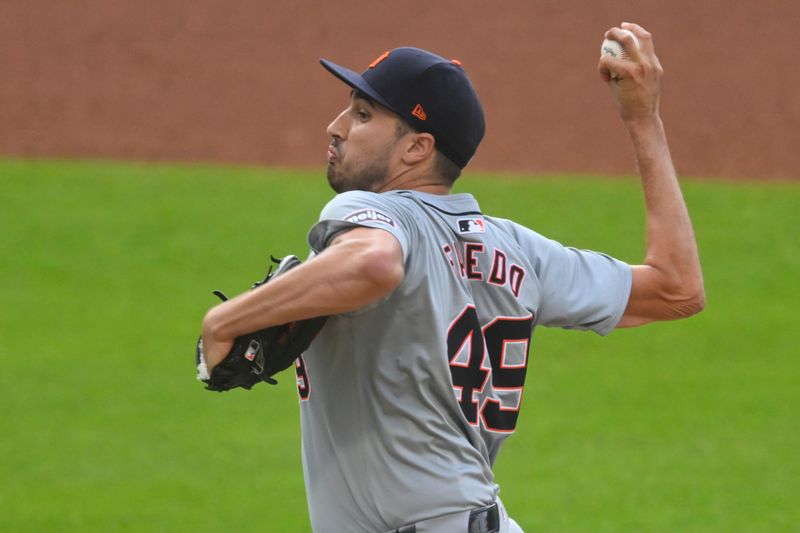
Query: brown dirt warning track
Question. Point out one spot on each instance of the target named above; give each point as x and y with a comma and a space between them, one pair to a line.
239, 82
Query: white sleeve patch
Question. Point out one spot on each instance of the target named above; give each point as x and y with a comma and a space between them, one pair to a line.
369, 215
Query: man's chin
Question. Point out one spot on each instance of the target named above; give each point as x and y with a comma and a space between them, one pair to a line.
357, 182
335, 180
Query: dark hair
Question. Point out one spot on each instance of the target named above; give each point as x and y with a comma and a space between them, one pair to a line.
446, 167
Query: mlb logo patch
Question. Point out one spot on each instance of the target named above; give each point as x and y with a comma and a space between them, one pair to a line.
471, 225
252, 350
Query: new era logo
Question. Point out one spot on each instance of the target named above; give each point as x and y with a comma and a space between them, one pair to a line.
419, 112
471, 225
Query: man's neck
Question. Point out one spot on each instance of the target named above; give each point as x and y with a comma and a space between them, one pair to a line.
416, 179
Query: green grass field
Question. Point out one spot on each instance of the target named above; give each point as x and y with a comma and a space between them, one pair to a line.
106, 273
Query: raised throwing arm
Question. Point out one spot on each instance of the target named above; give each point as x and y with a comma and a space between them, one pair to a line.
669, 285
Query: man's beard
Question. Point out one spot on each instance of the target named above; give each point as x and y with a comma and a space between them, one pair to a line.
366, 178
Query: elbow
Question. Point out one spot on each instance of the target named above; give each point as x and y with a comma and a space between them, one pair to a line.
698, 301
214, 324
683, 291
690, 302
653, 298
693, 306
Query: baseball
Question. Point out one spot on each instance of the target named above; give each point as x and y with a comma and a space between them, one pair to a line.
615, 49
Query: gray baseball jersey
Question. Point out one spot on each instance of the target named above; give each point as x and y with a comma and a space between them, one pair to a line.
405, 403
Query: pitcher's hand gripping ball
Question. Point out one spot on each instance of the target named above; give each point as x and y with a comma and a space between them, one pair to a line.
615, 49
257, 356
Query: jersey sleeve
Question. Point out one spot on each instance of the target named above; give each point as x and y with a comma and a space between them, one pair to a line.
358, 209
580, 289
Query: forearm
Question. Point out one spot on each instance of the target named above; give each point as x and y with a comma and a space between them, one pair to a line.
671, 275
350, 274
671, 245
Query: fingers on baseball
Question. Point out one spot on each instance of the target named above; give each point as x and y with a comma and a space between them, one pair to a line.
611, 68
637, 55
645, 38
633, 52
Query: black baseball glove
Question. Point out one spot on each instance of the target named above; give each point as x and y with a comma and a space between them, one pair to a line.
257, 356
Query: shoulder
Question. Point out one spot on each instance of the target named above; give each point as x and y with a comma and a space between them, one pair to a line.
352, 201
522, 234
539, 250
349, 198
355, 209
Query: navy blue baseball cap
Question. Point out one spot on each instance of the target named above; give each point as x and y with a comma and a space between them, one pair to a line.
431, 93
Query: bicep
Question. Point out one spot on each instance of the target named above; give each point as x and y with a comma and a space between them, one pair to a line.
369, 238
581, 289
376, 254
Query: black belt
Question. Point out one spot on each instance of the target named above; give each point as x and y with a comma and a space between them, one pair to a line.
483, 520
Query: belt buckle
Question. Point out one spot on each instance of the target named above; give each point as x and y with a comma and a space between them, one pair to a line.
484, 520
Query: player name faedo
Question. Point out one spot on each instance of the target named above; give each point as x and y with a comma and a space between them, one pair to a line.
464, 258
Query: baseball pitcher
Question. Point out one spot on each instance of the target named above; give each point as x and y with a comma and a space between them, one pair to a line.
413, 382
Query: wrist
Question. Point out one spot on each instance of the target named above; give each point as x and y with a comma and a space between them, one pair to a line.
644, 123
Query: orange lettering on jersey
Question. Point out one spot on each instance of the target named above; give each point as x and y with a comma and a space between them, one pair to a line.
379, 59
419, 112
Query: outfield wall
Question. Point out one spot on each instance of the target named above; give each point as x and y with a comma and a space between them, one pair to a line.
239, 82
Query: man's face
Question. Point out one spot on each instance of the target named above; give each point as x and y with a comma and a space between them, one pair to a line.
363, 141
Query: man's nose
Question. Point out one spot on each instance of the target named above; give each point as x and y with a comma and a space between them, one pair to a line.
337, 128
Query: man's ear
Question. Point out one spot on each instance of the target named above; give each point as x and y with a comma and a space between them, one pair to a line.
420, 147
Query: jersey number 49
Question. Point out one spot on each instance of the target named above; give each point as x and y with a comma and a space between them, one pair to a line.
468, 348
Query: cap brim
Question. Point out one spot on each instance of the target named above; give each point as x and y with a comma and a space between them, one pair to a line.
354, 80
